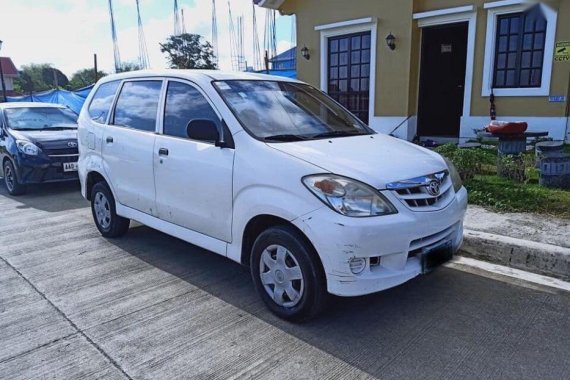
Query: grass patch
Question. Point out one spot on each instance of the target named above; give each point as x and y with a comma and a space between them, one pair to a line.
500, 194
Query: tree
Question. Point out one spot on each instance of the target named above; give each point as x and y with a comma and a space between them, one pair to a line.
84, 77
129, 66
39, 77
189, 51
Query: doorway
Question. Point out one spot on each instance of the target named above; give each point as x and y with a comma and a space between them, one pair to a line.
442, 79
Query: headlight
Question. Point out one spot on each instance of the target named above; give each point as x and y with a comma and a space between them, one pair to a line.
27, 147
455, 177
347, 196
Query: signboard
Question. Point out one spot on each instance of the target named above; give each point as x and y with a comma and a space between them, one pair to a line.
557, 99
562, 51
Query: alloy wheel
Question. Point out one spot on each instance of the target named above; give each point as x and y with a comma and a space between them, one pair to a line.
9, 177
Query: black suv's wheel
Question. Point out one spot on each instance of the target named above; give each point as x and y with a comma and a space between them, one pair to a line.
11, 180
104, 213
287, 275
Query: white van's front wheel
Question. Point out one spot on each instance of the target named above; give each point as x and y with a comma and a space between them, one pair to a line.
287, 275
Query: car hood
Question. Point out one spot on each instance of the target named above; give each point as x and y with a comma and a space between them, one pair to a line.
373, 159
46, 138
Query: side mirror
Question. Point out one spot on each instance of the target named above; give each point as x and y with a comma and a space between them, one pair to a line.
204, 130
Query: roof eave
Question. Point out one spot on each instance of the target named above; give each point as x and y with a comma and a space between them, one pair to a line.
271, 4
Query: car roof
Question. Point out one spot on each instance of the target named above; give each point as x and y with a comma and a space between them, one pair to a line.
196, 75
30, 105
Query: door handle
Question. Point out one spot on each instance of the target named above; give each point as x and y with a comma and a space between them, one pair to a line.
109, 139
163, 152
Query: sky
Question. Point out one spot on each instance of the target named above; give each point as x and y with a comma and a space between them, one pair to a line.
66, 33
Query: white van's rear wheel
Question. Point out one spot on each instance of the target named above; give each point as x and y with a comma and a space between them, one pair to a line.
287, 274
104, 213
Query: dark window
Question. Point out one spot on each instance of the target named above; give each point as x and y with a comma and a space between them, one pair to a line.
102, 101
137, 105
349, 72
184, 103
519, 50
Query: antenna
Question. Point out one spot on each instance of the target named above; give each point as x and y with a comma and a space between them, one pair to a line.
117, 56
143, 54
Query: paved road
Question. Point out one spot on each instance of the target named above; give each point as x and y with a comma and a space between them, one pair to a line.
75, 305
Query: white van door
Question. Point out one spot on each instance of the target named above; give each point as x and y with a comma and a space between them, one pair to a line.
193, 178
128, 143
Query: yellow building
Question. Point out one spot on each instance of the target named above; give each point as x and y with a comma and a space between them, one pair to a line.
447, 58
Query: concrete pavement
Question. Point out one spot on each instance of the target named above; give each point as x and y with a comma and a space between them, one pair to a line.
76, 305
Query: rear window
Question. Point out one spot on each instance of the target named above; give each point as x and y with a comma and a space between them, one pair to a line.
102, 101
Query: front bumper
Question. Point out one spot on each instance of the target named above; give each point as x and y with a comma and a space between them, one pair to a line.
389, 244
37, 169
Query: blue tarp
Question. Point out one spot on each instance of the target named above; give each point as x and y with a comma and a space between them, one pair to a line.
72, 99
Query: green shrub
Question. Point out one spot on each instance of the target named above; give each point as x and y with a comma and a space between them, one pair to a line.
469, 162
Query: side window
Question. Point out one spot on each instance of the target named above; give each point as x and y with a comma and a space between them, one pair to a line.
137, 105
184, 103
102, 101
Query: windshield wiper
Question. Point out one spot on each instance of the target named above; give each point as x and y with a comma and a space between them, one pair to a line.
335, 134
285, 137
57, 128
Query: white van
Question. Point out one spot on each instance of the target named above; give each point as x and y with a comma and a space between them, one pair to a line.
271, 173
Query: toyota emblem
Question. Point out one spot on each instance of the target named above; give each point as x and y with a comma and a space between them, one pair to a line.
72, 144
433, 188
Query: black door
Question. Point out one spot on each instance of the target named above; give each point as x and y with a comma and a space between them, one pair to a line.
349, 72
442, 80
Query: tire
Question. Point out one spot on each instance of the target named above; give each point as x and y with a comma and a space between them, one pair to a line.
287, 274
104, 212
11, 180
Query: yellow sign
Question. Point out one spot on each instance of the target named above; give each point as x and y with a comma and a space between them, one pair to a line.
562, 51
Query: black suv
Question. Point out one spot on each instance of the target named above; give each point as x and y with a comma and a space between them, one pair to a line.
38, 143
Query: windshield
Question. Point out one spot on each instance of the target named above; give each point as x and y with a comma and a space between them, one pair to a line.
38, 118
286, 111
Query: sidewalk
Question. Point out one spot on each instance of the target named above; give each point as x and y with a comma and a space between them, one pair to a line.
530, 242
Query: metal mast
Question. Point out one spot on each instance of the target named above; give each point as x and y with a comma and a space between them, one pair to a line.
256, 49
115, 43
183, 22
177, 26
214, 32
269, 36
143, 53
233, 43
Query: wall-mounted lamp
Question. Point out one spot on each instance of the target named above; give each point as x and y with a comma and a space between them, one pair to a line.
305, 53
391, 41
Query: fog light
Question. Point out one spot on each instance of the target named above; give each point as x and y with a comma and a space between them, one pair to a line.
357, 265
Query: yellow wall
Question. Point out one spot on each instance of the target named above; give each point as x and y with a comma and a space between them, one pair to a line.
397, 73
393, 67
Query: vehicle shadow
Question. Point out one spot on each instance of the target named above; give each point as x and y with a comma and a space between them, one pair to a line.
425, 324
50, 197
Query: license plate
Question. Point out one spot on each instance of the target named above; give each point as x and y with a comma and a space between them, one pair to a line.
70, 166
433, 257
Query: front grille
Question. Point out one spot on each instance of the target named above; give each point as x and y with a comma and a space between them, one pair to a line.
62, 152
415, 194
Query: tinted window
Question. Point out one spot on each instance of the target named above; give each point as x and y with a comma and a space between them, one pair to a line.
137, 105
102, 100
183, 104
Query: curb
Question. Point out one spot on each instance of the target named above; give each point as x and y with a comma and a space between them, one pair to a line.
546, 259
